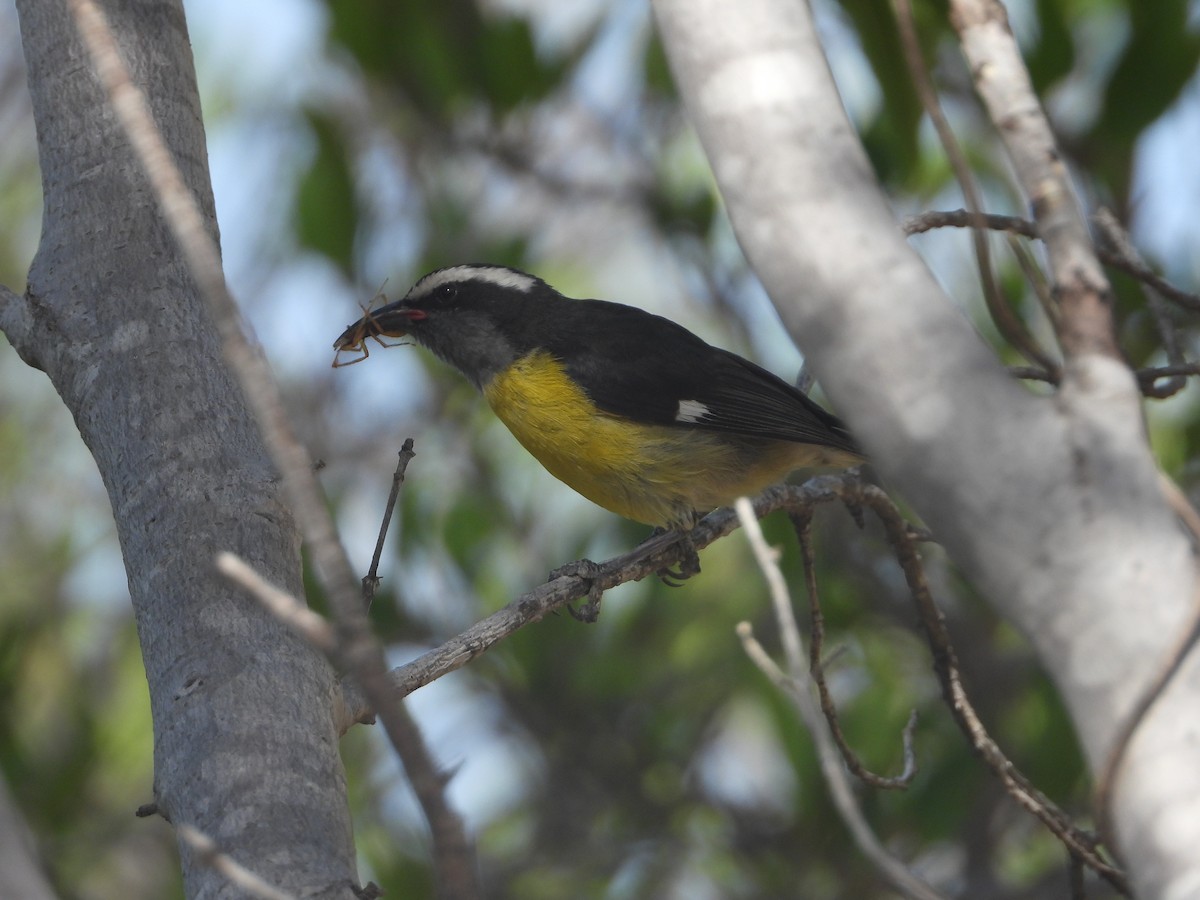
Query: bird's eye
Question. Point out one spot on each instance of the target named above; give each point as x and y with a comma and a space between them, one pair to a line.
447, 292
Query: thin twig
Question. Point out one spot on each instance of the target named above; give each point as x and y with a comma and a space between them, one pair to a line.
1110, 772
1006, 319
1112, 232
802, 524
312, 626
794, 687
945, 660
1187, 299
234, 872
1034, 275
1118, 250
352, 707
370, 581
1084, 325
1135, 268
1075, 871
960, 218
840, 791
358, 651
1150, 374
767, 558
428, 781
1146, 377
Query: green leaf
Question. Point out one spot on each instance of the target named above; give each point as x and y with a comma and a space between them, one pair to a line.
1054, 54
326, 211
892, 138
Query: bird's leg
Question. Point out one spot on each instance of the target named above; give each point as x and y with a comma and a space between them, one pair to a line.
688, 566
660, 539
589, 572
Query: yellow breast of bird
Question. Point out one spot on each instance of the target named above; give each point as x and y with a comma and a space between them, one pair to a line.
653, 474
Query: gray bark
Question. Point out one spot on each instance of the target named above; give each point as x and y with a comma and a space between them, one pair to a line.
1049, 504
246, 748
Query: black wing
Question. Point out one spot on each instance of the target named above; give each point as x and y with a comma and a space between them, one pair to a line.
643, 367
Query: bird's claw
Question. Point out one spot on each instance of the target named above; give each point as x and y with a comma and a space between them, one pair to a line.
588, 571
687, 566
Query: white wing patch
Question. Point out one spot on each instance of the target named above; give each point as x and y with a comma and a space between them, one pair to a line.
691, 411
497, 275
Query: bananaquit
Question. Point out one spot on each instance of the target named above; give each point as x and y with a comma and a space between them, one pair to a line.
630, 409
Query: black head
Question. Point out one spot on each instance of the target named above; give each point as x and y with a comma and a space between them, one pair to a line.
476, 317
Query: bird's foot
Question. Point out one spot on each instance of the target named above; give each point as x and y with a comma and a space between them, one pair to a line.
588, 571
688, 566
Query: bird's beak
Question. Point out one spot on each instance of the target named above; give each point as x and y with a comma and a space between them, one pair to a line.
390, 321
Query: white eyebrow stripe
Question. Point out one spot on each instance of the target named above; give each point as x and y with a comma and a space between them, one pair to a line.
691, 411
497, 275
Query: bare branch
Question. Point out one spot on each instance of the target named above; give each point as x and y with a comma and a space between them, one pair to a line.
945, 661
557, 593
1010, 326
1150, 374
370, 581
1034, 275
1086, 324
960, 218
1112, 232
1110, 772
1118, 251
312, 626
1075, 877
816, 667
793, 686
452, 850
1131, 264
13, 316
767, 558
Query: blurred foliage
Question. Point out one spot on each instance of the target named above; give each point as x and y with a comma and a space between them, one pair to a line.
326, 212
75, 739
444, 57
643, 757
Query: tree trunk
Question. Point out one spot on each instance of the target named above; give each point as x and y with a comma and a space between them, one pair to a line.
246, 747
1050, 504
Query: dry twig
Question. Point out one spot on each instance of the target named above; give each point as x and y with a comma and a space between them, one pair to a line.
793, 685
1119, 255
1006, 319
370, 581
1085, 322
233, 871
1115, 236
802, 523
945, 661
